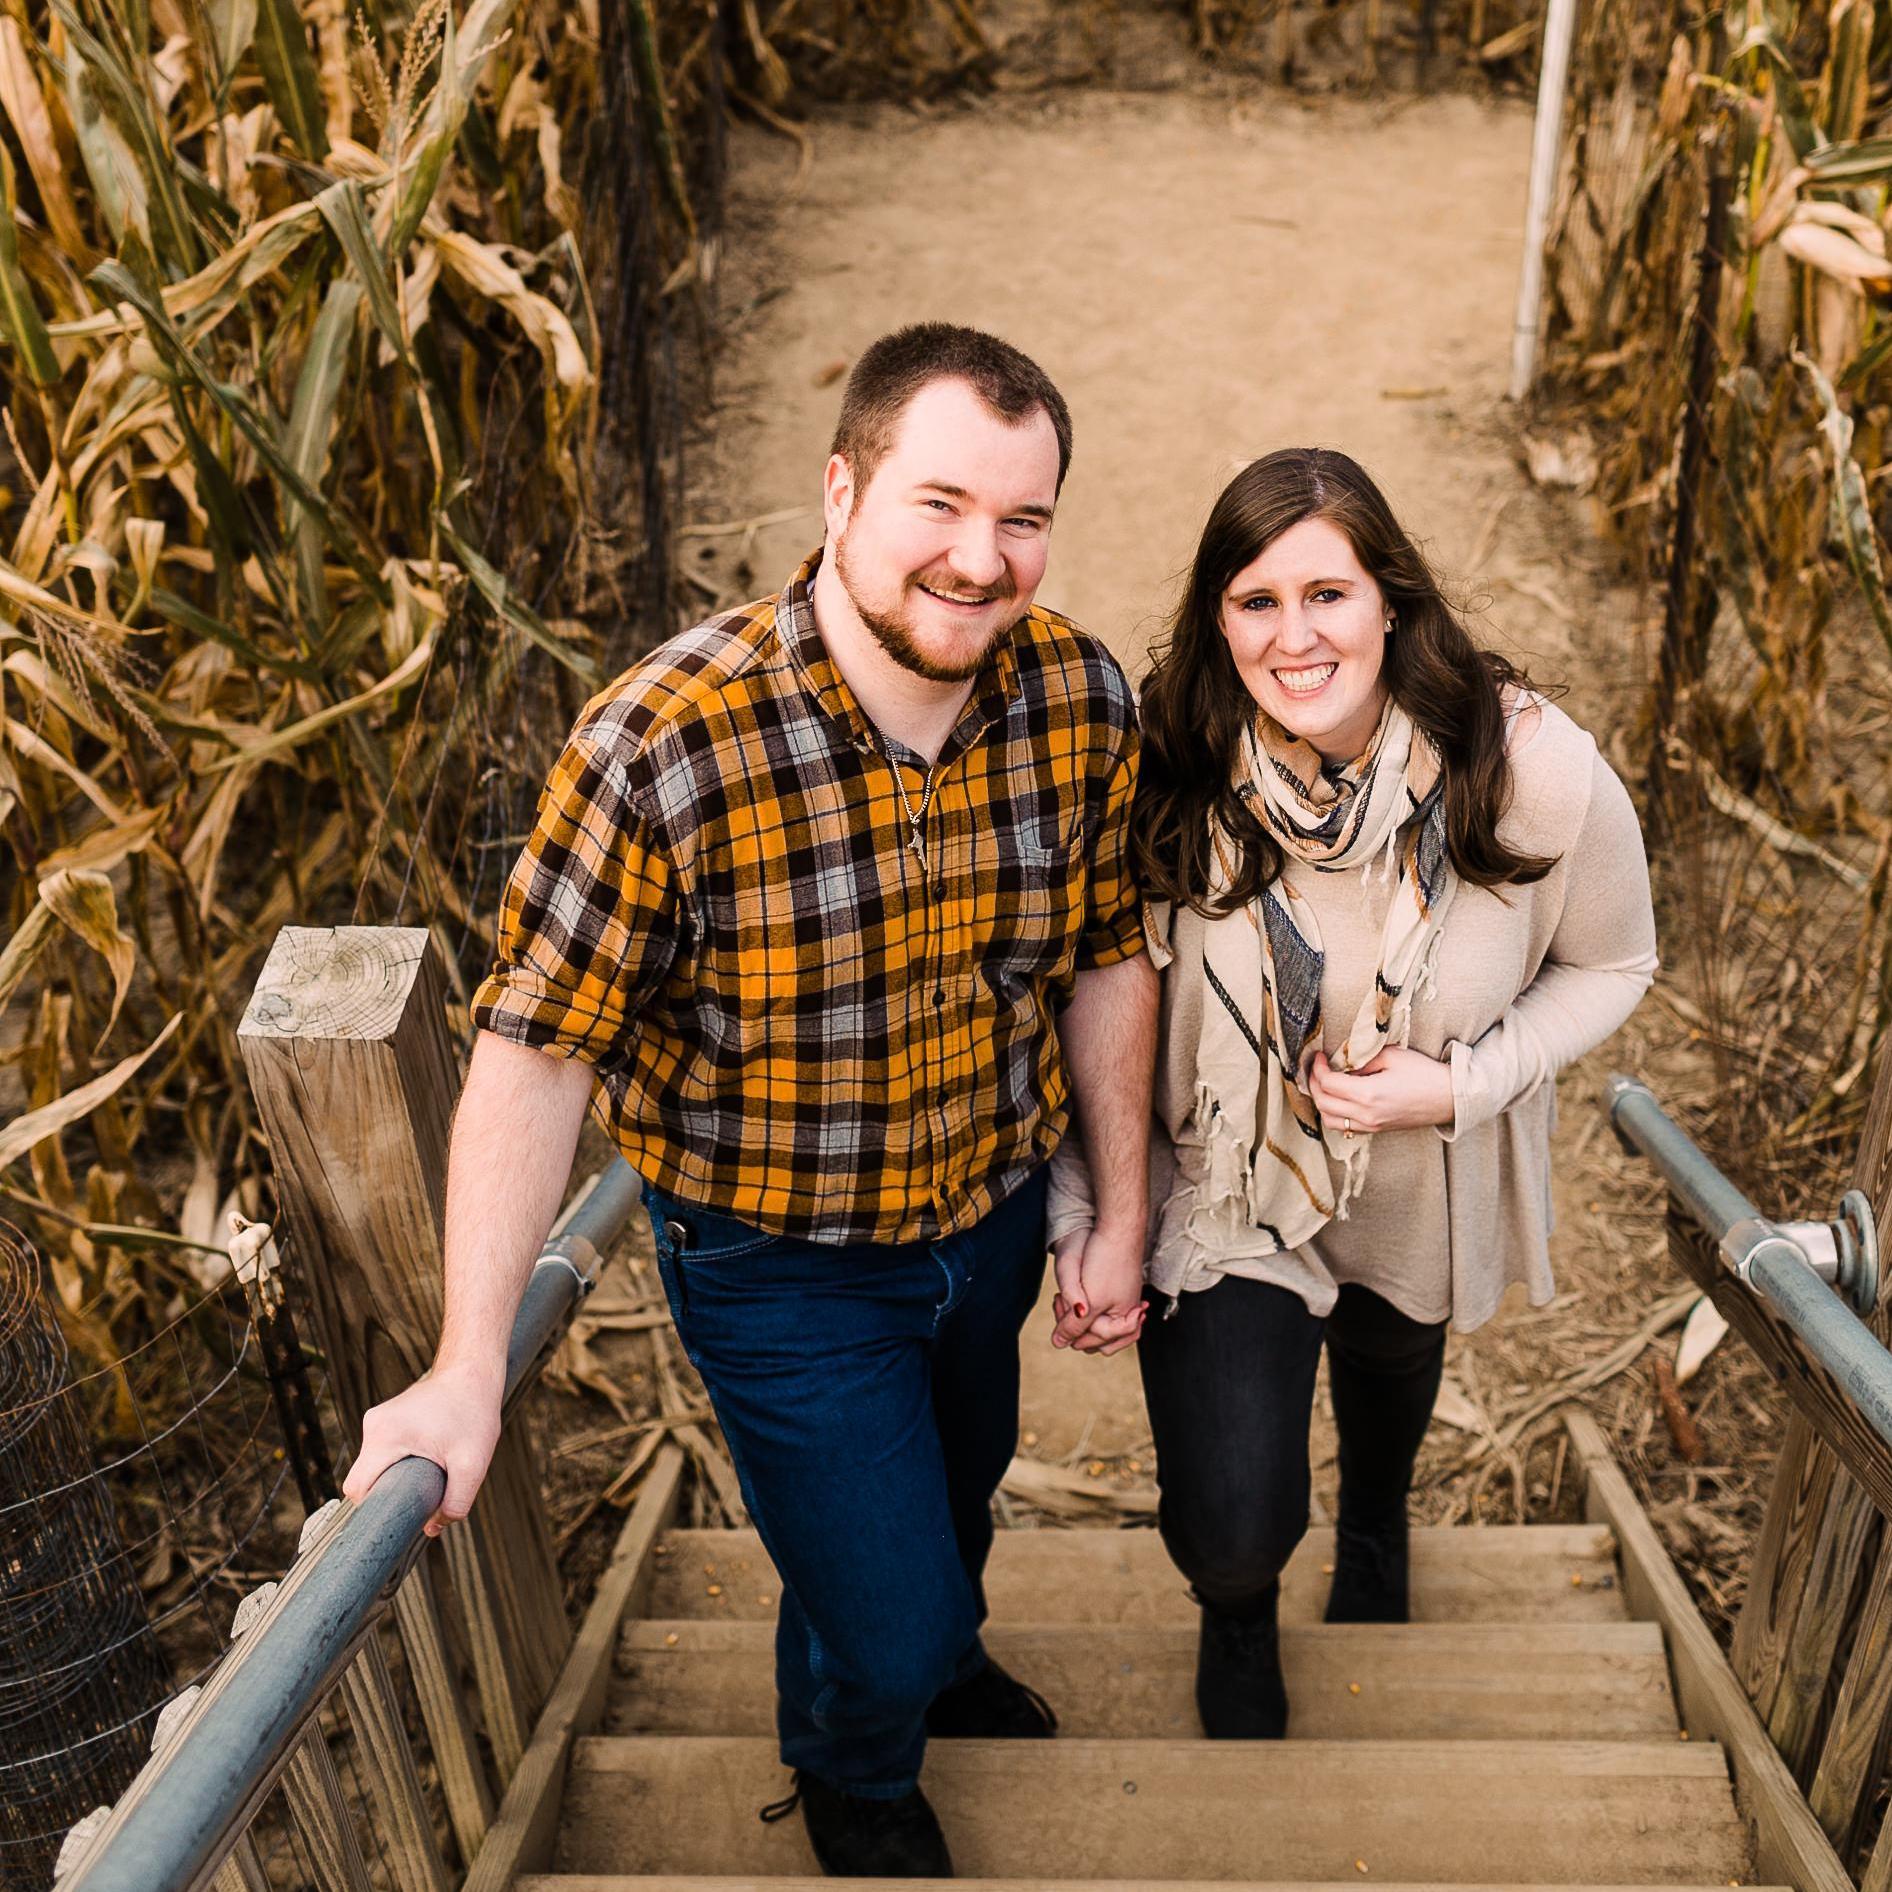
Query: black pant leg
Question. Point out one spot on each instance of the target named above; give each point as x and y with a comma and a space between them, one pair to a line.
1229, 1380
1383, 1371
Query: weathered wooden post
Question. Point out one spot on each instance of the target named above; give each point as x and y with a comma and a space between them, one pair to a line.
346, 1046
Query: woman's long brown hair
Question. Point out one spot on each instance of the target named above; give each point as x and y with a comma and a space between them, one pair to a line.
1196, 707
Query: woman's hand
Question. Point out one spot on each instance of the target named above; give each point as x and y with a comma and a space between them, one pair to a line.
1401, 1089
1100, 1304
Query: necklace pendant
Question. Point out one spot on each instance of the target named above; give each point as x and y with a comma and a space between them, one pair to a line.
916, 841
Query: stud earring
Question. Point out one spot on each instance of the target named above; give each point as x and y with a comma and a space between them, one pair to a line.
1389, 626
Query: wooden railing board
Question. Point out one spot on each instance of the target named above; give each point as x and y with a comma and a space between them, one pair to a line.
1824, 1626
313, 1791
450, 1737
388, 1773
1854, 1756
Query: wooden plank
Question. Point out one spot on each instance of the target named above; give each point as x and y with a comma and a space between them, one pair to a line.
680, 1882
1854, 1756
345, 1043
1825, 1625
1477, 1682
520, 1837
243, 1870
434, 1674
1788, 1843
1816, 1394
387, 1768
1578, 1812
1762, 1629
313, 1791
1487, 1573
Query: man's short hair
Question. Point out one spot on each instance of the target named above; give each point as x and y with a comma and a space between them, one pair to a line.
895, 368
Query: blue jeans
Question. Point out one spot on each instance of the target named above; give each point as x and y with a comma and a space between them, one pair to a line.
869, 1397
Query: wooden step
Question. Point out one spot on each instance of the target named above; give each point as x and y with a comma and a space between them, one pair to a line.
1453, 1681
1478, 1573
681, 1882
1470, 1812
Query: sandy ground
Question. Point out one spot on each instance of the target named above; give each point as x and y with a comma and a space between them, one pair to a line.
1207, 276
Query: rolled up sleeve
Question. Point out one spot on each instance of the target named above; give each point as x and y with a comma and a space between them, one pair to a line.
1113, 909
589, 923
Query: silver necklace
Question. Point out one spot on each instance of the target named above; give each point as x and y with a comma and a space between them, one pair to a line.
916, 836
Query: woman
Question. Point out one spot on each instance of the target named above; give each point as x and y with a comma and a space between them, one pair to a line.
1393, 893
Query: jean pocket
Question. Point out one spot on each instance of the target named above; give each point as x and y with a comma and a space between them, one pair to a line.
701, 1233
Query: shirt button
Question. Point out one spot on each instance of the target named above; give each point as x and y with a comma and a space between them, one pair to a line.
939, 890
940, 1100
939, 995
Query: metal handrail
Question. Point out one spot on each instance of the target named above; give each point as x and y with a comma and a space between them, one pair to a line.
1808, 1272
176, 1823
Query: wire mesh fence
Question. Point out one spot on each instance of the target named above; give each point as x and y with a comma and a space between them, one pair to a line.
135, 1502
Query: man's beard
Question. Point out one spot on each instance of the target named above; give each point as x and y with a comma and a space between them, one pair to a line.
895, 635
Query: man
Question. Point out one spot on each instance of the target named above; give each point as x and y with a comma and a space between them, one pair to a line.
829, 897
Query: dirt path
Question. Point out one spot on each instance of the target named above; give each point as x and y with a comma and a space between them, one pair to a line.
1207, 276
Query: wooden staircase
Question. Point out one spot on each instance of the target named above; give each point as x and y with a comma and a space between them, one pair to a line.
1522, 1731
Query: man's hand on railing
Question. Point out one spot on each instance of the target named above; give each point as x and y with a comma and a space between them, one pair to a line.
452, 1417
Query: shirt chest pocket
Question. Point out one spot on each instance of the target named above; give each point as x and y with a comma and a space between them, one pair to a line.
1031, 896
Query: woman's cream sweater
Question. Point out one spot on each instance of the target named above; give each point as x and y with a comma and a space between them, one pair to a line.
1527, 979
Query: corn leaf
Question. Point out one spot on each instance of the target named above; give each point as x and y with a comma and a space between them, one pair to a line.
289, 75
1796, 116
108, 845
25, 107
346, 214
18, 955
83, 899
512, 609
186, 616
117, 180
1869, 161
305, 439
258, 746
25, 1132
118, 282
24, 328
1848, 74
1851, 512
232, 28
169, 230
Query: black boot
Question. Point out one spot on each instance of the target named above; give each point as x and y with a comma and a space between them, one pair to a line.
994, 1706
1240, 1695
1371, 1566
855, 1838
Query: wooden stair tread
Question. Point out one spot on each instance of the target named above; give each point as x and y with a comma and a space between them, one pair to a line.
1456, 1681
1478, 1573
685, 1882
1477, 1812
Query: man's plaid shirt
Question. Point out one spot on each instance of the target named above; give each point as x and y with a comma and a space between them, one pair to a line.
797, 1018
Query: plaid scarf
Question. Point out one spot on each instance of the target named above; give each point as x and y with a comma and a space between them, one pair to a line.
1272, 1165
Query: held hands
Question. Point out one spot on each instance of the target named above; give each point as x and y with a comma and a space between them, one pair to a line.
1099, 1303
1401, 1089
452, 1417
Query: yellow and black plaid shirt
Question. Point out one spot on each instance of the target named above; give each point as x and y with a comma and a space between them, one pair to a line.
798, 1017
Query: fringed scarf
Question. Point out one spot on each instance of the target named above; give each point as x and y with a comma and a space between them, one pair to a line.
1273, 1166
